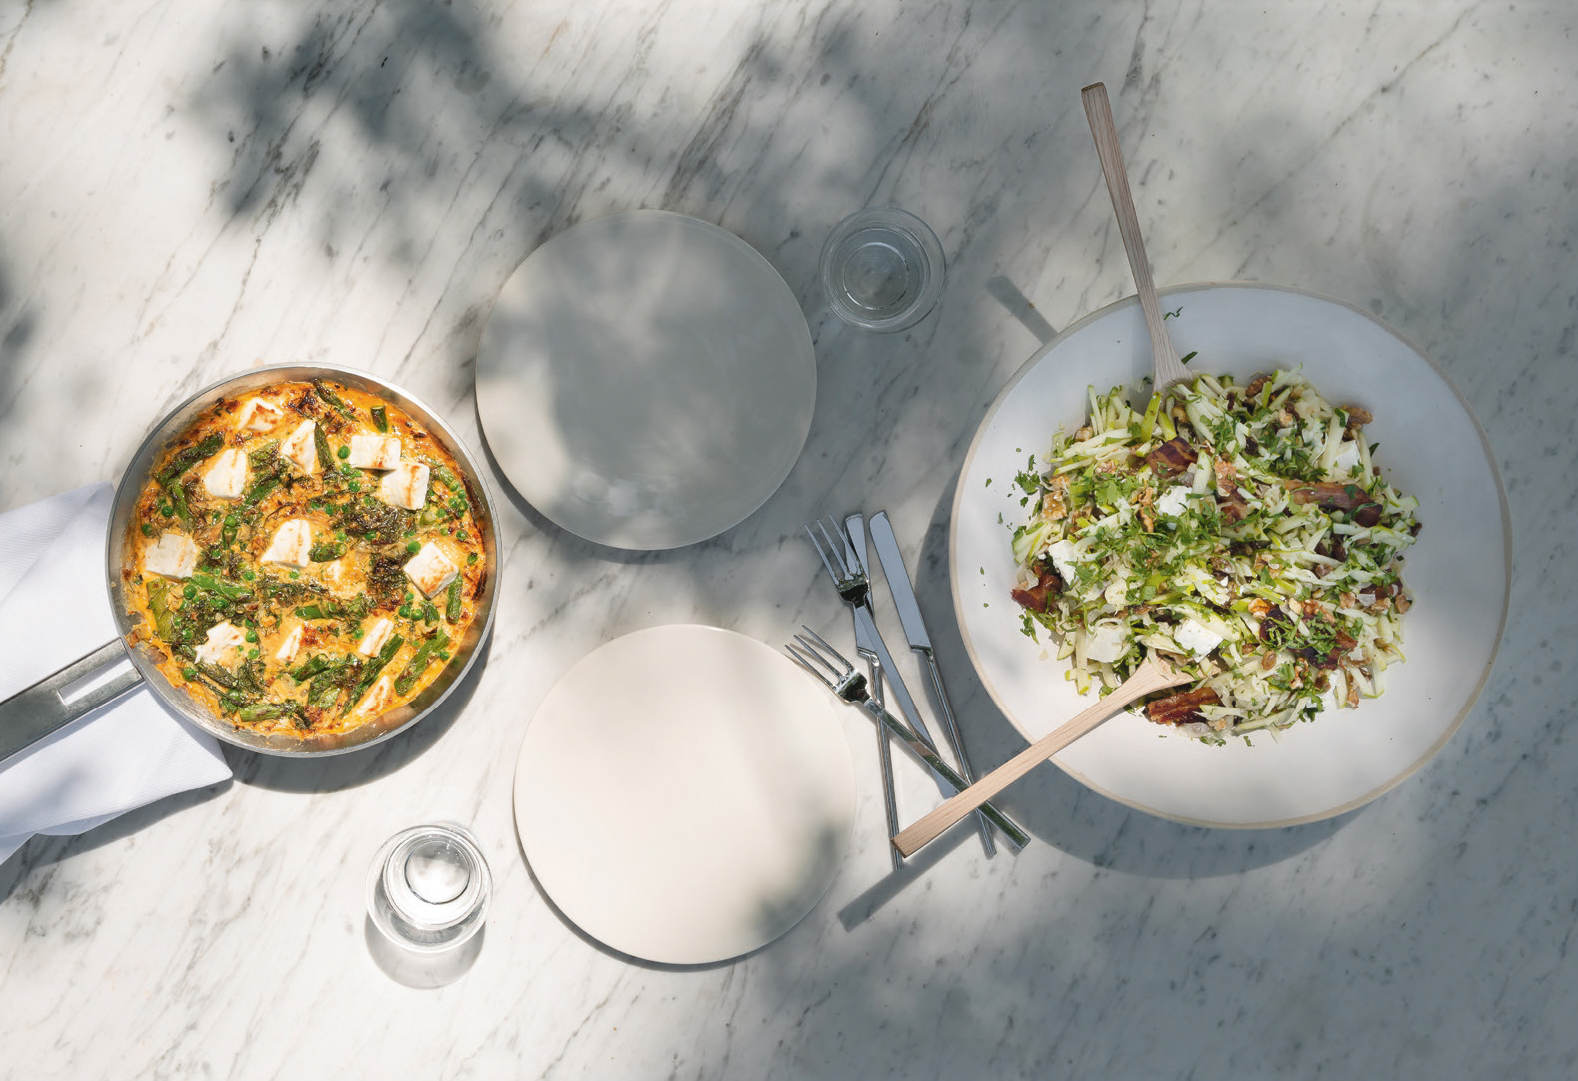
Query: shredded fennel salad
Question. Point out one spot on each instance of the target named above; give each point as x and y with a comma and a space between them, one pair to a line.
1244, 532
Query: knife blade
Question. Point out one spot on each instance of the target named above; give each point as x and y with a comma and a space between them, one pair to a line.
914, 624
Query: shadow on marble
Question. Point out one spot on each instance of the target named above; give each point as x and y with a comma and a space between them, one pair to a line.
1057, 809
860, 908
418, 970
45, 850
335, 772
1016, 304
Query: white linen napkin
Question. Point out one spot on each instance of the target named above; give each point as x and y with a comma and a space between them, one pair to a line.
54, 608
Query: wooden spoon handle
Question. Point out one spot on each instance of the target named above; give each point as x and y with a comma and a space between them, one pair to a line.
1149, 677
1098, 110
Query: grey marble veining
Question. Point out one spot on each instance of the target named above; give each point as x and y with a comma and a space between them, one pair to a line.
189, 189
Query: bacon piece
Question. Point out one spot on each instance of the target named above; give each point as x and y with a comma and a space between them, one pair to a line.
1181, 707
1038, 598
1172, 457
1345, 643
1335, 495
1233, 508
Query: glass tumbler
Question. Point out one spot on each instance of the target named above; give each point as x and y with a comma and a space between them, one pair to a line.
882, 269
427, 897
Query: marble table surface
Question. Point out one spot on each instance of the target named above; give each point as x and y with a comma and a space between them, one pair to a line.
193, 188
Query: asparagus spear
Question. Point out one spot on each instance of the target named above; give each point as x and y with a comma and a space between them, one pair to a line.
376, 665
320, 440
334, 400
419, 662
190, 456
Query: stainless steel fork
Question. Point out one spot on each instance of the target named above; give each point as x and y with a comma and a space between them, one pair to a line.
813, 653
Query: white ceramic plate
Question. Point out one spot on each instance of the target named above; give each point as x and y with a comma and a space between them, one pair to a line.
684, 794
646, 380
1459, 570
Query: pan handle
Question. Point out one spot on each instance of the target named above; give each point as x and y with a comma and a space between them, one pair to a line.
28, 716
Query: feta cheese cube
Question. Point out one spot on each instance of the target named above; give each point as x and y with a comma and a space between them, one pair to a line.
334, 575
258, 415
1107, 641
375, 638
1065, 555
299, 448
376, 699
430, 570
226, 477
374, 451
1172, 502
1347, 457
173, 556
290, 646
1196, 637
292, 544
404, 486
224, 645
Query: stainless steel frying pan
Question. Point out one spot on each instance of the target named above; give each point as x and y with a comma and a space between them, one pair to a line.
50, 704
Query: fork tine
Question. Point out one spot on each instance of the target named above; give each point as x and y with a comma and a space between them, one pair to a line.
799, 657
827, 650
810, 651
822, 552
835, 551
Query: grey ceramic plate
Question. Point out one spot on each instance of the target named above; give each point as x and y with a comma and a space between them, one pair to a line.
646, 380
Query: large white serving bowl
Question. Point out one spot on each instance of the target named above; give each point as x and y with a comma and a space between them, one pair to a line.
1459, 571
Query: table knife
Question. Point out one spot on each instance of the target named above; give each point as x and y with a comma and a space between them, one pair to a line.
914, 625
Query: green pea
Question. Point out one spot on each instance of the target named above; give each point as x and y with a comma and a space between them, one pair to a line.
372, 535
413, 547
406, 612
147, 530
232, 520
347, 470
344, 452
252, 636
188, 673
189, 591
409, 596
295, 574
354, 485
248, 575
472, 558
166, 510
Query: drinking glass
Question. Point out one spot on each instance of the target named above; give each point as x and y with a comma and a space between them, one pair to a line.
882, 269
427, 898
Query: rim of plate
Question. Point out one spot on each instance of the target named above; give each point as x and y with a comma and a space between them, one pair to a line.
1506, 536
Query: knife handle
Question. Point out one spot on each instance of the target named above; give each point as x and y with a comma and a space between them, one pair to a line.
956, 741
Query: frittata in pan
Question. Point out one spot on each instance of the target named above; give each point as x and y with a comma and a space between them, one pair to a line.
304, 558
